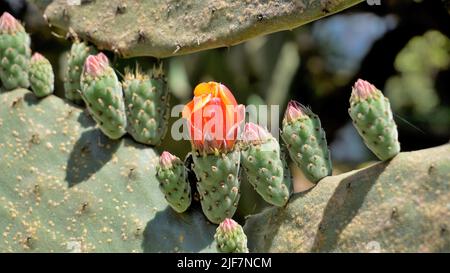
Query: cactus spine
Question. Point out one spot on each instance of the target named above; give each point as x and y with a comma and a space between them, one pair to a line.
147, 106
102, 93
41, 76
75, 61
15, 53
263, 166
230, 237
171, 175
306, 141
372, 117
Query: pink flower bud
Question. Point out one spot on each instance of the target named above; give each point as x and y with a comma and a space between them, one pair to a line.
294, 111
228, 225
166, 159
363, 89
8, 23
37, 57
253, 132
95, 65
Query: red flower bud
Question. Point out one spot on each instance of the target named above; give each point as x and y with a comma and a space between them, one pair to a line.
96, 64
213, 117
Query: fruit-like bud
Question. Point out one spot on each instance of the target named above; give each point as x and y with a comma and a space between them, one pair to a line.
41, 75
372, 117
173, 183
15, 53
230, 237
261, 160
306, 141
72, 74
102, 93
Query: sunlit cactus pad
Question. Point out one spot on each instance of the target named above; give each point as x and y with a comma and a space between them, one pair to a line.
163, 28
65, 187
398, 206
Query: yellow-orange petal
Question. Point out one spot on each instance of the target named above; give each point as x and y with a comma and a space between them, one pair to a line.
216, 90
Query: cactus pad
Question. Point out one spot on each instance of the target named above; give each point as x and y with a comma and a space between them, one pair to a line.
397, 206
15, 53
306, 141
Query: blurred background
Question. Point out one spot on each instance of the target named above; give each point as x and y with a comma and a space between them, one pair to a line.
401, 46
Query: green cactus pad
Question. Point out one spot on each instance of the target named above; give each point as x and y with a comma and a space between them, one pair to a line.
41, 76
15, 55
218, 183
163, 28
65, 187
265, 171
102, 94
173, 183
147, 107
72, 75
372, 117
398, 206
306, 142
230, 237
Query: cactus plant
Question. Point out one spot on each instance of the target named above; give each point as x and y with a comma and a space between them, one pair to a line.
147, 106
215, 155
372, 116
102, 93
263, 165
306, 141
230, 238
173, 182
65, 187
72, 75
15, 53
41, 75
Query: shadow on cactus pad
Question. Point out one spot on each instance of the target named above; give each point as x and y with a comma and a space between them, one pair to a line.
65, 188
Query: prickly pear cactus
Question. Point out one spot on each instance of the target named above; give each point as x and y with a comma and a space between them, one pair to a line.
230, 238
65, 187
41, 75
372, 116
218, 183
15, 53
102, 93
147, 106
173, 182
398, 206
306, 141
262, 163
75, 62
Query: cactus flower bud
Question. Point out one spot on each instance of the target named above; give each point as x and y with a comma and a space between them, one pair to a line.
95, 65
363, 89
9, 24
213, 117
255, 133
230, 237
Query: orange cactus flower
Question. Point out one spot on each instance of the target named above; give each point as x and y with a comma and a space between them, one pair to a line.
213, 117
